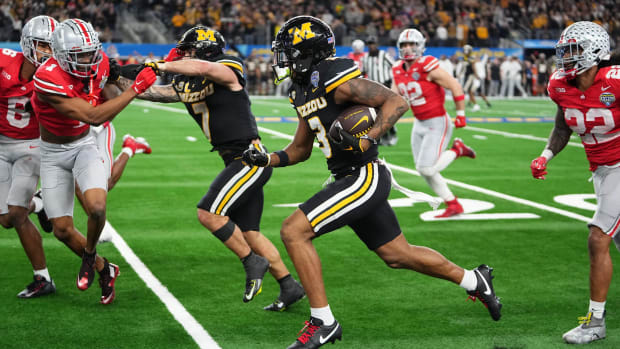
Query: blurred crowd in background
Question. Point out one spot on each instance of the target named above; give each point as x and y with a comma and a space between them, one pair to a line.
490, 23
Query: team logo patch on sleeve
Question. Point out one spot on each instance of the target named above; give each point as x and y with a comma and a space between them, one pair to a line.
607, 98
314, 78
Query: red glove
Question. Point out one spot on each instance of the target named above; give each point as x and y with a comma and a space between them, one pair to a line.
539, 167
460, 121
174, 55
144, 80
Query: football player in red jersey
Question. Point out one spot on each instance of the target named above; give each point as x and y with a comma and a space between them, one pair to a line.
19, 145
357, 53
586, 87
421, 81
68, 91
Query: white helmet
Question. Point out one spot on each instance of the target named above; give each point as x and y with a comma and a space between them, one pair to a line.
77, 48
411, 36
357, 46
582, 45
467, 50
36, 30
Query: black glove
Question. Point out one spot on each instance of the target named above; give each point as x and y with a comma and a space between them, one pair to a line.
130, 71
115, 70
347, 141
255, 157
154, 66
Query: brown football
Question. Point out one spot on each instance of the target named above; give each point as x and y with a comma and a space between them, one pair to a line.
356, 120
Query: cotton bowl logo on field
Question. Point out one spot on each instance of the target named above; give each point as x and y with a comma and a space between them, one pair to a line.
607, 98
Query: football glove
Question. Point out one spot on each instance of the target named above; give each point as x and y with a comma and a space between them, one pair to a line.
115, 70
154, 66
347, 141
255, 157
460, 121
144, 80
539, 167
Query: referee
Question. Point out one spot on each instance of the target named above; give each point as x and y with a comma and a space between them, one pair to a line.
377, 66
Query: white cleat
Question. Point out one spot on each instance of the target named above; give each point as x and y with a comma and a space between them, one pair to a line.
589, 330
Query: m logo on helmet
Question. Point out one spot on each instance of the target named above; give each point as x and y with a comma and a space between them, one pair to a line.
303, 33
205, 35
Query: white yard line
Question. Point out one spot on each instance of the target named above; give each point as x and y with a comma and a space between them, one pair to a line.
178, 311
515, 135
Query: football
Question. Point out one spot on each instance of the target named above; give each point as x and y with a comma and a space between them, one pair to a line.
356, 120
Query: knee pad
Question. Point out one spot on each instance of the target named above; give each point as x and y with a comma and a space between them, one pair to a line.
226, 231
428, 171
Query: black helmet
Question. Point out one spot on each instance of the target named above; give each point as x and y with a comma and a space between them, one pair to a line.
302, 42
207, 42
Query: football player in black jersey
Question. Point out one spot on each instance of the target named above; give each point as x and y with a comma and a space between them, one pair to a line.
322, 88
211, 85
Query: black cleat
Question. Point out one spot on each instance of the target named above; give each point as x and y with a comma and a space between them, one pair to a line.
39, 287
107, 278
484, 291
255, 268
287, 297
315, 334
87, 271
44, 222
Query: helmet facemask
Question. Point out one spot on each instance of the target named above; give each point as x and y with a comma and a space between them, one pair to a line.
411, 52
302, 42
36, 39
77, 48
581, 46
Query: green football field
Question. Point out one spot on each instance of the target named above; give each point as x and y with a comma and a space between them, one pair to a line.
181, 288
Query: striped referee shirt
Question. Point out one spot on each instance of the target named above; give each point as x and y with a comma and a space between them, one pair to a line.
378, 68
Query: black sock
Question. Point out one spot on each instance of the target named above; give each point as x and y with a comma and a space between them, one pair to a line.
246, 258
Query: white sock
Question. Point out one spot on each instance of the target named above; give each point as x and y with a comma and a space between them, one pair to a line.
469, 281
444, 160
439, 186
44, 273
597, 309
127, 151
324, 314
38, 204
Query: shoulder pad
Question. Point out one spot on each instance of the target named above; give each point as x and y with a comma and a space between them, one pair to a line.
334, 72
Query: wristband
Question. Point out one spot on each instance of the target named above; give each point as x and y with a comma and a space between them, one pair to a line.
460, 113
283, 158
459, 98
547, 154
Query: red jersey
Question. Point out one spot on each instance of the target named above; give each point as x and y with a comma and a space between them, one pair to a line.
593, 114
51, 79
357, 57
425, 97
16, 120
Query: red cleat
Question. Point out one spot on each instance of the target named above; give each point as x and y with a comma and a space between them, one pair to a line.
137, 145
453, 208
462, 150
107, 278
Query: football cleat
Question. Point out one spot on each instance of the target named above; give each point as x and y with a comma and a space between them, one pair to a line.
287, 297
484, 291
589, 330
453, 208
44, 222
137, 145
87, 271
314, 334
39, 287
462, 150
107, 278
255, 268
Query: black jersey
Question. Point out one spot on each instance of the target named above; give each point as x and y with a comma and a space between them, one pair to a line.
314, 102
224, 115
